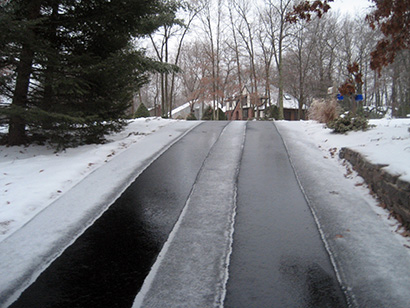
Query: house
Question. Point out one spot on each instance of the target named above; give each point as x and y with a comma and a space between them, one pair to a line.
155, 111
196, 107
291, 108
244, 106
181, 112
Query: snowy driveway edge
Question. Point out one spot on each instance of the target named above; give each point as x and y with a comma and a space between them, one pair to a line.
191, 269
373, 266
28, 251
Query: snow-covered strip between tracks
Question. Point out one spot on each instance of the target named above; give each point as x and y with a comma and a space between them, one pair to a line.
191, 269
30, 249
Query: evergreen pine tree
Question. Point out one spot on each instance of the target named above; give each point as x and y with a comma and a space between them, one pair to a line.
76, 71
142, 111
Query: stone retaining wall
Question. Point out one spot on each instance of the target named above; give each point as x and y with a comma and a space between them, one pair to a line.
390, 189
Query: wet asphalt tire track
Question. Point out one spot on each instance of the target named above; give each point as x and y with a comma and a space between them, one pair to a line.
278, 259
106, 266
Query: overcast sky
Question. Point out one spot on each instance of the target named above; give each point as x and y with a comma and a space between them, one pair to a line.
352, 7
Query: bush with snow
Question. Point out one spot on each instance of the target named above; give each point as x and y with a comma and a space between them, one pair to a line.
347, 123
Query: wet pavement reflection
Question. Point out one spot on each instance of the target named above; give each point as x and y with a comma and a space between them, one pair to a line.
278, 258
107, 265
316, 287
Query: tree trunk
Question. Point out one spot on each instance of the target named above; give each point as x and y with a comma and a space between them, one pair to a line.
49, 95
280, 85
163, 105
17, 124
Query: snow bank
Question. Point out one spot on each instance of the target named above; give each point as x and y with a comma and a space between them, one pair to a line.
33, 177
386, 142
43, 219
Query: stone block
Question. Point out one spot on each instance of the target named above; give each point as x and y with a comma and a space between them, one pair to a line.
403, 185
388, 177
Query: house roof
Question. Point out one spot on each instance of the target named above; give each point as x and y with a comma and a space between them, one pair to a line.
289, 101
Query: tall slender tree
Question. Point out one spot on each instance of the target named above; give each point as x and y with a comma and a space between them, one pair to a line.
279, 32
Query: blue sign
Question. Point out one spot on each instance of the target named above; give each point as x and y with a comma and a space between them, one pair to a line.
339, 97
358, 97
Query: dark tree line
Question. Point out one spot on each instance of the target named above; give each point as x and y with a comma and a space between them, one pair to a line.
69, 67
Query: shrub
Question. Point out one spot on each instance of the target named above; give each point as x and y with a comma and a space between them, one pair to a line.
348, 123
208, 114
142, 111
324, 111
191, 117
222, 115
274, 112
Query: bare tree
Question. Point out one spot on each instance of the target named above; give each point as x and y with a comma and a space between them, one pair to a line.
278, 30
213, 34
298, 63
235, 45
304, 58
266, 57
194, 69
173, 32
246, 30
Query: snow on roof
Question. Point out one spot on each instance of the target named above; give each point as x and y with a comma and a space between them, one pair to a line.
289, 101
180, 108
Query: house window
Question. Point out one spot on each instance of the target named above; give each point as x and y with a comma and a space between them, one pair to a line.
245, 113
244, 101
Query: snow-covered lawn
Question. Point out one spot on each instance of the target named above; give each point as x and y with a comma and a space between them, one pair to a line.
32, 177
386, 142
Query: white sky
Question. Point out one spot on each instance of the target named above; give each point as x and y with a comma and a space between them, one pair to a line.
352, 7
